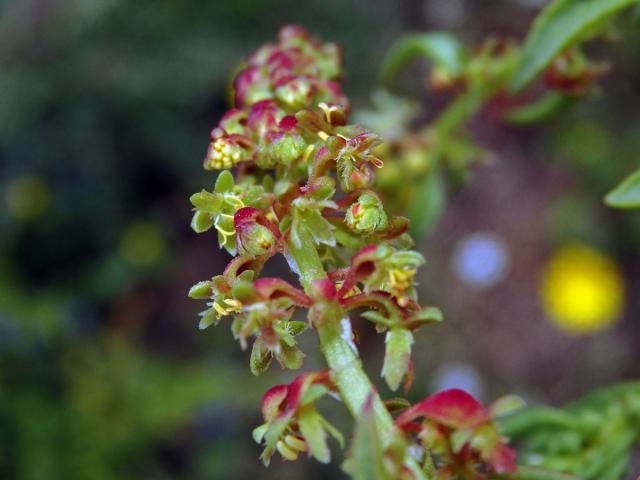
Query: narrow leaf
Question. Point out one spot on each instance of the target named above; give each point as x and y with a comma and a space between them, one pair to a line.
627, 194
442, 49
561, 23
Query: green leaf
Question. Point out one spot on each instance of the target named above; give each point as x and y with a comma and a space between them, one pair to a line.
365, 460
312, 429
561, 23
224, 182
627, 194
544, 108
397, 356
319, 227
441, 48
427, 204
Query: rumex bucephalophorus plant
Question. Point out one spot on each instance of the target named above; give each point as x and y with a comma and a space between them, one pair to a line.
304, 188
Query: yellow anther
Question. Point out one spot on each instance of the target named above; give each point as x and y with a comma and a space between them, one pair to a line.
295, 443
271, 217
355, 290
220, 310
323, 135
286, 451
401, 279
236, 305
226, 307
308, 152
222, 155
328, 110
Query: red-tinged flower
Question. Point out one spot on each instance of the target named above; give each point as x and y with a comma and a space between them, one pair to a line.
275, 288
295, 92
456, 428
453, 408
354, 158
251, 85
264, 117
572, 73
255, 234
283, 145
292, 423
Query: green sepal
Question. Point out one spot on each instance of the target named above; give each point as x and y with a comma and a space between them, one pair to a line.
258, 433
428, 315
201, 290
377, 318
209, 317
290, 357
201, 221
397, 356
260, 357
312, 429
206, 201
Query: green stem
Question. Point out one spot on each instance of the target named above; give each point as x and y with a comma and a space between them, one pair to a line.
354, 385
352, 381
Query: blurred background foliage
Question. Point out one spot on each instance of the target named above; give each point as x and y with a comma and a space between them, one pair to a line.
105, 109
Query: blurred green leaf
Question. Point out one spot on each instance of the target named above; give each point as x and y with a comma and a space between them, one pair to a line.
428, 204
627, 194
442, 49
541, 109
560, 24
365, 460
535, 473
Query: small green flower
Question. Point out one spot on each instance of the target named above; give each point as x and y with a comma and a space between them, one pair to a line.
367, 215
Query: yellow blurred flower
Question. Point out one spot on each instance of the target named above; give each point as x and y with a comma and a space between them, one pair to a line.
142, 244
582, 290
26, 198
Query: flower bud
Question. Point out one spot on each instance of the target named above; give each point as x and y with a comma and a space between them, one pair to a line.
367, 215
255, 235
226, 150
296, 93
255, 240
